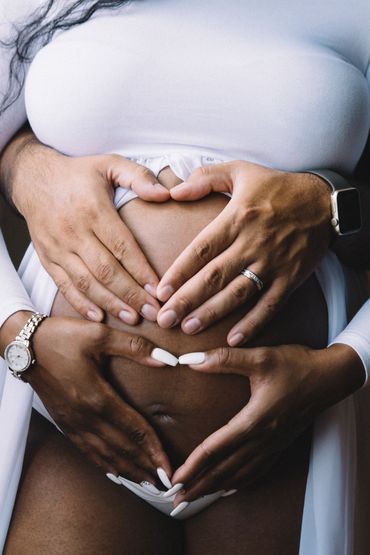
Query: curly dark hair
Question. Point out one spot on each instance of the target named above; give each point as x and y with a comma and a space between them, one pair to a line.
39, 31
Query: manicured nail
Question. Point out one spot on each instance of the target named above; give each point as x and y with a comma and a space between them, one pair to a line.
179, 508
164, 478
192, 358
167, 319
164, 356
175, 489
93, 315
236, 339
165, 292
127, 317
192, 325
149, 312
114, 478
151, 289
228, 493
148, 486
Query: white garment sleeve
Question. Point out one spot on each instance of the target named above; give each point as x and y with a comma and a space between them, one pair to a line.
357, 336
13, 296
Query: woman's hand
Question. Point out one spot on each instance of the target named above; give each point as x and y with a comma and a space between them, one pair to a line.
81, 240
71, 354
290, 386
277, 224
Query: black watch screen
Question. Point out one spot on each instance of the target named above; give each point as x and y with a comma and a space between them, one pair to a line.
349, 211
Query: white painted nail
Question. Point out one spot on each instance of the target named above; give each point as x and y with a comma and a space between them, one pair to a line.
114, 478
192, 358
164, 478
148, 486
179, 508
228, 493
175, 489
164, 356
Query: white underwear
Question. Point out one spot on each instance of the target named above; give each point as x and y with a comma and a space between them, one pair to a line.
331, 476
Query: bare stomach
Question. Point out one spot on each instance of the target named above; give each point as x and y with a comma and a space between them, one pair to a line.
184, 406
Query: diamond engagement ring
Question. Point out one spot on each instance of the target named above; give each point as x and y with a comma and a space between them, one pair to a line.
253, 277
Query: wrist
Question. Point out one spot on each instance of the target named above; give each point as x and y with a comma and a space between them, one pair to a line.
11, 327
341, 371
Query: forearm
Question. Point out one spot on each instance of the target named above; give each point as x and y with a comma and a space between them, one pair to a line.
23, 160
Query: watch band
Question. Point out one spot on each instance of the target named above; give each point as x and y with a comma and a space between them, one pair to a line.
335, 181
30, 326
25, 336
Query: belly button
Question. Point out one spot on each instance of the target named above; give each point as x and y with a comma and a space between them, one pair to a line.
160, 412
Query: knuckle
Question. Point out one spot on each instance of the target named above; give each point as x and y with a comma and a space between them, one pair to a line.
239, 291
62, 284
210, 314
202, 251
119, 248
141, 172
207, 451
83, 283
184, 304
96, 402
137, 345
132, 297
263, 358
214, 278
105, 273
98, 333
224, 356
138, 436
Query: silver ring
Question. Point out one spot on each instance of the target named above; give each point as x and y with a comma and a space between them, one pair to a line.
253, 277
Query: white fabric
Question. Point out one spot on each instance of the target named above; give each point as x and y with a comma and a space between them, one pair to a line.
281, 84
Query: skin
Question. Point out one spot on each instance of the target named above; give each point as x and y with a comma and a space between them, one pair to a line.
183, 407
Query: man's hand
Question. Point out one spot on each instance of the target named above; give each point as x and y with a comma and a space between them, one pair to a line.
277, 224
80, 239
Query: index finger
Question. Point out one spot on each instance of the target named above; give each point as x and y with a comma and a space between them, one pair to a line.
217, 236
218, 444
113, 342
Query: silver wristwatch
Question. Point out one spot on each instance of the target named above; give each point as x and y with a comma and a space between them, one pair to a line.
345, 202
18, 354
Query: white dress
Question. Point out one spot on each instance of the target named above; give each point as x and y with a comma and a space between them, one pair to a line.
178, 83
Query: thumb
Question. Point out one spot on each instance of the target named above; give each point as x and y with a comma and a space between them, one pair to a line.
203, 181
224, 360
126, 173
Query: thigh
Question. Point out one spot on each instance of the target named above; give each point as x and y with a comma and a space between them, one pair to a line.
259, 520
66, 505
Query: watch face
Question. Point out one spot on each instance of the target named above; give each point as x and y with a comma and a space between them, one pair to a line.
17, 356
349, 212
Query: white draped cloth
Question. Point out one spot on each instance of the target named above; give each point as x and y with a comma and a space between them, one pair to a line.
327, 527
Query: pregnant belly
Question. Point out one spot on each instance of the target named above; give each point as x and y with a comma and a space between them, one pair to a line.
182, 405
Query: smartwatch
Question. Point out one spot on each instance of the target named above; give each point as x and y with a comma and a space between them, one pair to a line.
345, 202
18, 354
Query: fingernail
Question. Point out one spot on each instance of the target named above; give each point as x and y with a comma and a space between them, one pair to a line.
236, 339
93, 315
114, 478
148, 486
192, 325
175, 489
151, 289
192, 358
127, 317
164, 356
149, 312
165, 292
228, 493
167, 318
179, 508
164, 478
